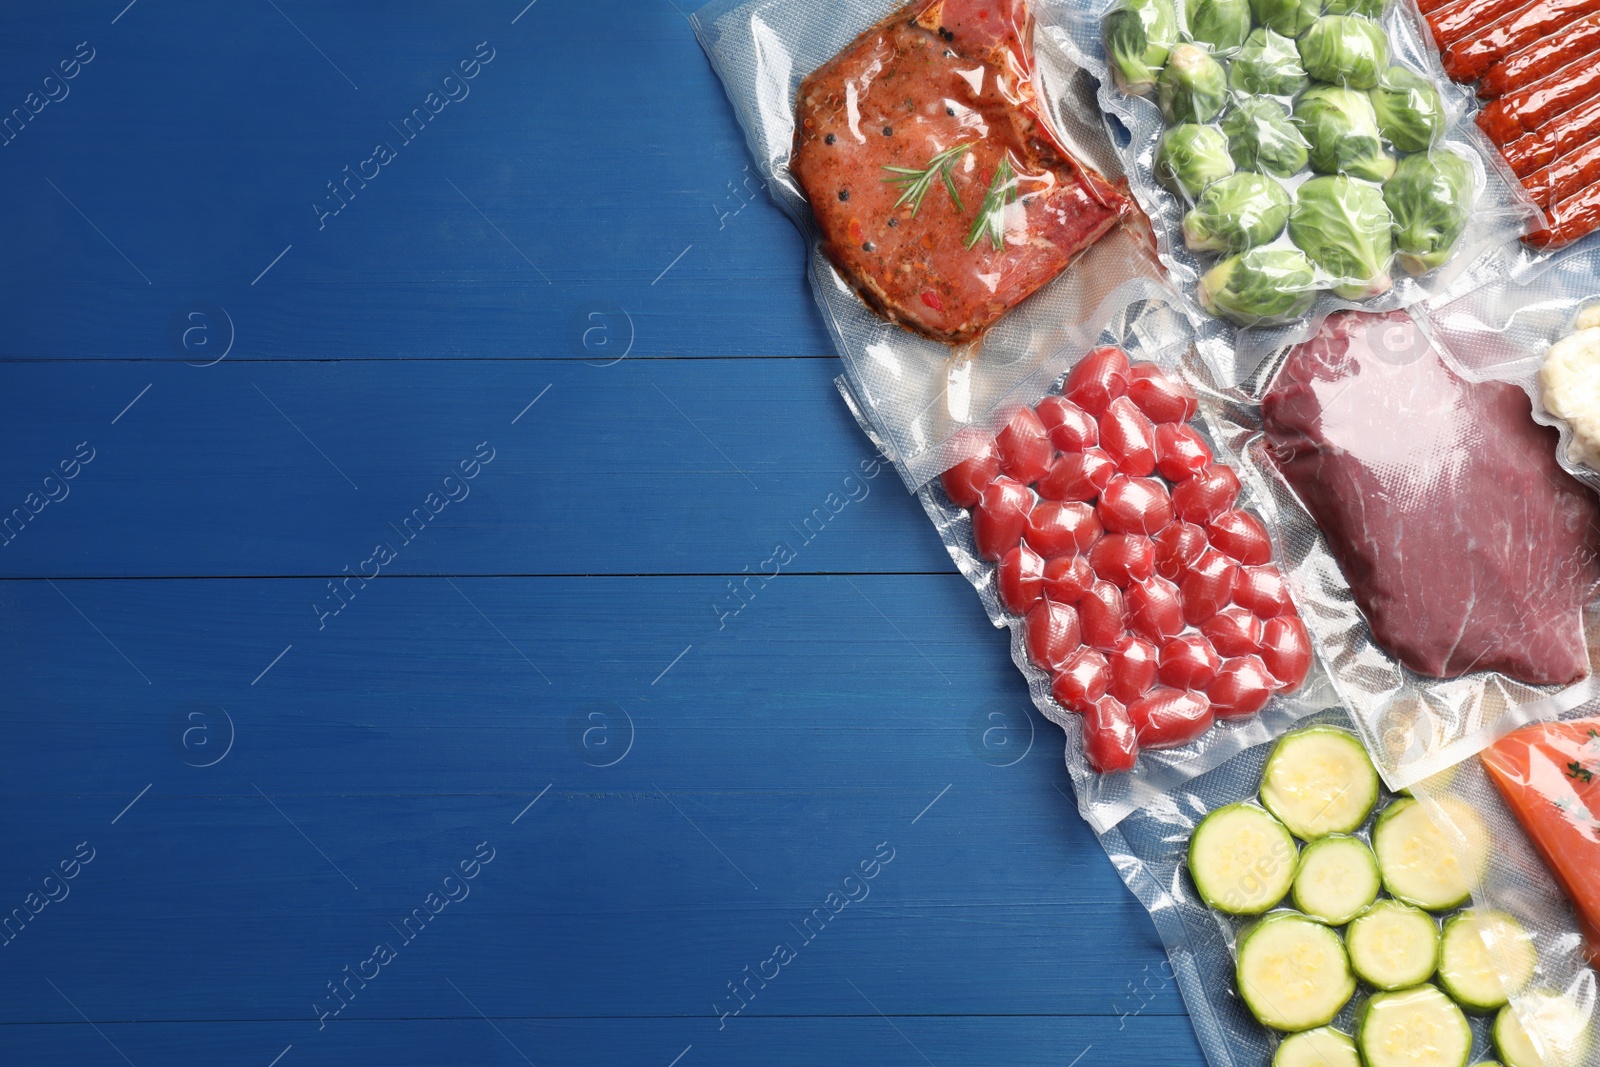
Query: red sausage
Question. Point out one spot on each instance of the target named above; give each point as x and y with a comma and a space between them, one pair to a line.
1566, 134
1565, 178
1467, 59
1541, 103
1460, 19
1577, 217
1544, 56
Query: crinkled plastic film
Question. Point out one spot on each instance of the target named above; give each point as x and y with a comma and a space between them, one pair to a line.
1501, 209
1150, 851
931, 403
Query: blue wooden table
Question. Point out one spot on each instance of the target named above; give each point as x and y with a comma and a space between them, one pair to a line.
396, 399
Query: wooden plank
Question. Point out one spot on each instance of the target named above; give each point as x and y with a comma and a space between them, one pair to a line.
681, 466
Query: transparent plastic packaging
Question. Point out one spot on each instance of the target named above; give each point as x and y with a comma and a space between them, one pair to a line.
1150, 849
1275, 147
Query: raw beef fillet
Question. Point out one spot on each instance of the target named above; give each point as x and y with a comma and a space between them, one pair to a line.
946, 90
1465, 544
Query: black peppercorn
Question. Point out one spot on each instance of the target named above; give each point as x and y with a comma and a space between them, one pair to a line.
950, 111
893, 222
868, 247
829, 139
844, 194
888, 131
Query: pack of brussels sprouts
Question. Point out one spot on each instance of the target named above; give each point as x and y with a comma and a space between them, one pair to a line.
1296, 156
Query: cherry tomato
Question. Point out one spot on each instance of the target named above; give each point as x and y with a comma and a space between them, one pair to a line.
1123, 559
1155, 609
1128, 438
1098, 379
1180, 451
1071, 428
1110, 743
1062, 529
1158, 396
1242, 687
1077, 476
1134, 505
1133, 669
1188, 662
1101, 615
1163, 717
1286, 651
1263, 591
1240, 534
1207, 494
1000, 517
1081, 681
1020, 579
1233, 631
1067, 579
1207, 586
1177, 547
964, 483
1024, 448
1051, 634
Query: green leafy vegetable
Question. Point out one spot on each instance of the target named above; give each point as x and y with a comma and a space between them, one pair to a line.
1236, 213
1191, 157
991, 218
915, 183
1342, 130
1192, 87
1345, 228
1267, 65
1261, 137
1345, 50
1409, 109
1222, 24
1288, 17
1430, 197
1372, 9
1138, 36
1261, 286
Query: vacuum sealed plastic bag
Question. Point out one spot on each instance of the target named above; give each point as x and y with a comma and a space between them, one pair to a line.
1296, 158
1313, 917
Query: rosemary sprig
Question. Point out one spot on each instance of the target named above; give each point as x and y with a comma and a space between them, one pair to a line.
916, 183
991, 218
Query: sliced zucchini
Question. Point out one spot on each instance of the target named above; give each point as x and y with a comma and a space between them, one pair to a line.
1393, 945
1337, 877
1319, 781
1242, 859
1482, 955
1323, 1047
1418, 1027
1420, 860
1293, 972
1550, 1030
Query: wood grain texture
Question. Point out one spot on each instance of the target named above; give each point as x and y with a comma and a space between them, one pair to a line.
273, 773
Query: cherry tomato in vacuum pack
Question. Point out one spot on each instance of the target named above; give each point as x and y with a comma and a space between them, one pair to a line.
1077, 476
965, 482
1062, 528
1020, 579
1135, 505
1067, 579
1164, 718
1024, 447
1158, 396
1098, 379
1128, 437
1000, 517
1051, 634
1071, 429
1133, 669
1109, 741
1081, 681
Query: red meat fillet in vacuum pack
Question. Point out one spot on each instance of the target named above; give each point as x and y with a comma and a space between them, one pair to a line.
942, 195
1466, 546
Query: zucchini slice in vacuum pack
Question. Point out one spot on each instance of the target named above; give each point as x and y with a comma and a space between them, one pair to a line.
1293, 972
1393, 945
1319, 781
1337, 878
1242, 860
1482, 955
1421, 861
1559, 1023
1322, 1047
1419, 1027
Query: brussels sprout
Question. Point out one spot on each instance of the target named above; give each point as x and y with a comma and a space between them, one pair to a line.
1372, 9
1190, 157
1345, 50
1346, 229
1192, 87
1222, 24
1264, 285
1342, 130
1430, 197
1236, 213
1261, 137
1267, 65
1409, 109
1138, 36
1288, 17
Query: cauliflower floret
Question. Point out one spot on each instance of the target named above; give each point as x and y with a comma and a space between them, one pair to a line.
1570, 384
1589, 317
